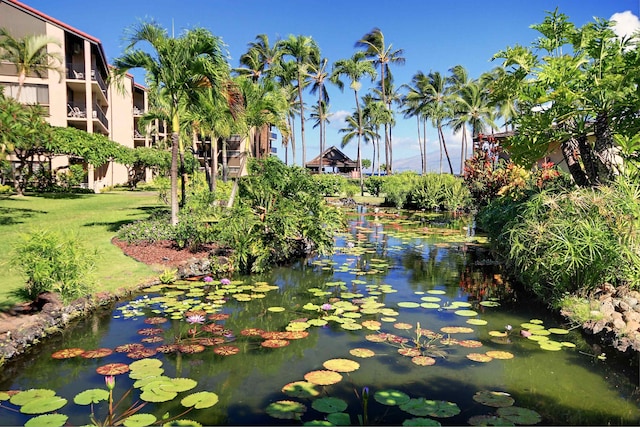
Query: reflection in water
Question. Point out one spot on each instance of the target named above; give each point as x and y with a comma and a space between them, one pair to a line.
395, 279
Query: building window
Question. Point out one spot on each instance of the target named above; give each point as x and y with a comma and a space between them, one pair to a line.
30, 94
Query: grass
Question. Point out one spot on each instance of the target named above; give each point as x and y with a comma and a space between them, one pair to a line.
94, 217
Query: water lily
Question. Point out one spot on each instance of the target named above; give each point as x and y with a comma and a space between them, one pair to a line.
225, 281
196, 318
110, 381
508, 328
208, 279
326, 306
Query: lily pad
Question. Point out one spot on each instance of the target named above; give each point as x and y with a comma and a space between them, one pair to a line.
423, 360
421, 422
329, 405
276, 309
43, 405
200, 400
391, 397
302, 389
479, 357
90, 396
341, 365
323, 377
465, 313
558, 331
362, 352
140, 420
276, 343
67, 353
47, 420
477, 322
434, 408
24, 397
226, 350
496, 354
489, 420
519, 415
339, 419
408, 304
495, 399
286, 410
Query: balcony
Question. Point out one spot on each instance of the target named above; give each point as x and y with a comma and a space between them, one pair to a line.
272, 136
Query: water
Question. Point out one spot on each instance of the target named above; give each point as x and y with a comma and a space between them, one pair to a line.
383, 260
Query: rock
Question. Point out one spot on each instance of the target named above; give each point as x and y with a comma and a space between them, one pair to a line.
618, 323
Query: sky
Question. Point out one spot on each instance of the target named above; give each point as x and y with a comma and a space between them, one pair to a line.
434, 36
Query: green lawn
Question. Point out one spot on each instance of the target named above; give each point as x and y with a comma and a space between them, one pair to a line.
94, 217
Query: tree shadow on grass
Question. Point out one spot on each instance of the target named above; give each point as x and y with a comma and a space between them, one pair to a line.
114, 226
12, 216
61, 195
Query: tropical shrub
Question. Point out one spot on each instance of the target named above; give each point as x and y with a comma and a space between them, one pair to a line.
572, 242
53, 262
154, 229
373, 185
330, 184
398, 187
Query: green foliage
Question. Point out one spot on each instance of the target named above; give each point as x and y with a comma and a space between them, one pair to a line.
330, 184
73, 177
373, 185
397, 188
281, 214
147, 231
53, 262
437, 191
571, 242
168, 276
351, 189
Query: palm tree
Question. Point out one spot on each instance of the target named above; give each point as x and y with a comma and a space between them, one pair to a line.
284, 73
354, 68
29, 55
414, 105
439, 108
354, 129
318, 74
374, 114
320, 114
304, 51
382, 55
259, 58
181, 66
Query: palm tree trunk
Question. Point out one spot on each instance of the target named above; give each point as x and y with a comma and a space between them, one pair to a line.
225, 167
444, 145
174, 177
214, 163
569, 149
424, 133
420, 145
304, 147
604, 148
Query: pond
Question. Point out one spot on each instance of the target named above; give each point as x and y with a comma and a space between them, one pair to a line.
408, 322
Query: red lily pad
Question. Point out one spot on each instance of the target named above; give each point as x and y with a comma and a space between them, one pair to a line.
274, 343
470, 343
142, 353
376, 337
191, 348
402, 325
211, 341
323, 377
96, 354
155, 320
409, 352
153, 339
273, 335
113, 369
479, 357
226, 350
296, 335
213, 328
67, 353
219, 316
496, 354
167, 348
252, 332
456, 330
128, 348
150, 331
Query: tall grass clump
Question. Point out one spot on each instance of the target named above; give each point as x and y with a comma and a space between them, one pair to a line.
439, 192
54, 262
575, 241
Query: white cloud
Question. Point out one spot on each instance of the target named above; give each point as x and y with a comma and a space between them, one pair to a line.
626, 23
337, 120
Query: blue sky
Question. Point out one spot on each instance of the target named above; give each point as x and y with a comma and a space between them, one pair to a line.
435, 36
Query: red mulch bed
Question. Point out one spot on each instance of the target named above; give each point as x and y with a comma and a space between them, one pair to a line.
162, 252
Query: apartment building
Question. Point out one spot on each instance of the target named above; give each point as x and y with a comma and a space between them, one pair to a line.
79, 96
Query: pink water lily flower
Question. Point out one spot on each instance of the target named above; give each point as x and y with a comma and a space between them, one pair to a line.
225, 281
196, 318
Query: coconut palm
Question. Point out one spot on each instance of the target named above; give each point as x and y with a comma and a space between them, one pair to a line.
375, 114
259, 58
375, 48
304, 51
354, 68
284, 74
320, 116
29, 55
355, 129
182, 66
414, 104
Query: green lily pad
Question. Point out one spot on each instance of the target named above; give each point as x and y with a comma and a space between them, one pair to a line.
200, 400
30, 395
466, 313
329, 405
435, 408
145, 364
182, 423
408, 304
489, 303
558, 331
317, 423
430, 305
477, 322
93, 395
300, 389
286, 410
496, 399
43, 405
4, 395
276, 309
140, 420
339, 419
519, 415
47, 420
421, 422
550, 346
391, 397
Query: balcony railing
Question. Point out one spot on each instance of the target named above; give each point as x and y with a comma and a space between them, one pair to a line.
75, 71
96, 76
